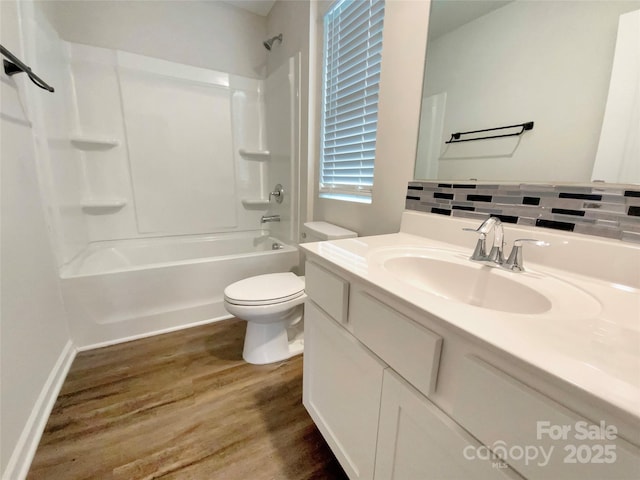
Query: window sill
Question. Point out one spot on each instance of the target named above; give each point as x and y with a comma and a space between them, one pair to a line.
346, 197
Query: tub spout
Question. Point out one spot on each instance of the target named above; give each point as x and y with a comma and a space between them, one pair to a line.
270, 218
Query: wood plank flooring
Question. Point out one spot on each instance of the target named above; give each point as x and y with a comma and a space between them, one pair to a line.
182, 406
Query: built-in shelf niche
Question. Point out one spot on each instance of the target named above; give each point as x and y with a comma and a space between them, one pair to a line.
257, 155
99, 206
93, 142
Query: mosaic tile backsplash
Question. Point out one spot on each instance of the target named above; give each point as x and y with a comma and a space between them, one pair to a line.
600, 210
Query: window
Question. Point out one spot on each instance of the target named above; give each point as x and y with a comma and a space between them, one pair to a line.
351, 76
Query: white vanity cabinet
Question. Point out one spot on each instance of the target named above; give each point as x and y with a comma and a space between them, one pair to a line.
400, 395
417, 441
376, 431
342, 385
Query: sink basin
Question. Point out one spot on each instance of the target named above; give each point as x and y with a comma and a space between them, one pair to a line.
452, 276
475, 285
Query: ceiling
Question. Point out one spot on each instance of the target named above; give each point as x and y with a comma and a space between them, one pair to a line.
447, 15
450, 14
259, 7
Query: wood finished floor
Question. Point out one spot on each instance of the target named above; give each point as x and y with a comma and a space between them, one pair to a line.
182, 406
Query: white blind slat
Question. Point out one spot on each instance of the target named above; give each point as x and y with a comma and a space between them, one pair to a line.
348, 165
352, 110
351, 75
351, 102
338, 65
350, 129
353, 155
357, 117
370, 74
349, 27
342, 51
335, 95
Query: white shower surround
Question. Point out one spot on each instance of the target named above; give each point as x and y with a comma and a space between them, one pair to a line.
176, 167
121, 290
141, 273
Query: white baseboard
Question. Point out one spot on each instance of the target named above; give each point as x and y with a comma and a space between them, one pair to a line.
152, 333
24, 451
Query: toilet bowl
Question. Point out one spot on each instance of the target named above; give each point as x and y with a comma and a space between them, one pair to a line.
272, 305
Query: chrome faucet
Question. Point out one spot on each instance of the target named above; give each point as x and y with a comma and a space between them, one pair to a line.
495, 257
514, 262
270, 218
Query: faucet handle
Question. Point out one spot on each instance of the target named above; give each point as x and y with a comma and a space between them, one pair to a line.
540, 243
480, 252
514, 262
278, 192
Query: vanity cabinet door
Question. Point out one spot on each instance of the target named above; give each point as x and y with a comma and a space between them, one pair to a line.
499, 409
417, 441
342, 384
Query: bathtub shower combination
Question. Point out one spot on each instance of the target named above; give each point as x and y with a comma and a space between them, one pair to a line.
124, 290
157, 184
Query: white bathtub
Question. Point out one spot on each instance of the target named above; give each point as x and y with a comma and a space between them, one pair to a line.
122, 290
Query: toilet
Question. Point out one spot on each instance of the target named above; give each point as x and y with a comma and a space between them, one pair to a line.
272, 305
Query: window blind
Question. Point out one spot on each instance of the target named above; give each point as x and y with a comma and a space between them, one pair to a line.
351, 77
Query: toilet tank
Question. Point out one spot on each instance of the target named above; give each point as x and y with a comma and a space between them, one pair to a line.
319, 231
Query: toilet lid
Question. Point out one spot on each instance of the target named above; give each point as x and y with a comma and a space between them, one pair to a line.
265, 289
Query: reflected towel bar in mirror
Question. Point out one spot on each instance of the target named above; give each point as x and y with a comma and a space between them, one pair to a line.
455, 137
15, 65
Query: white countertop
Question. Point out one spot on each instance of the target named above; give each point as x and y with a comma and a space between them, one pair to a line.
591, 341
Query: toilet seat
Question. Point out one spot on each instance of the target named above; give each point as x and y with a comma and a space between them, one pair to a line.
269, 289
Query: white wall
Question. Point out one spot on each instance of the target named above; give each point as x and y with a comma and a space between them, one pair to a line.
33, 325
292, 20
403, 53
547, 62
204, 34
59, 165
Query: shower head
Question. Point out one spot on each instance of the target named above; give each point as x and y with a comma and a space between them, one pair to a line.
269, 43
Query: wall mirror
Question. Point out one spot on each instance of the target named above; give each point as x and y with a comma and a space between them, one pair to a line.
496, 63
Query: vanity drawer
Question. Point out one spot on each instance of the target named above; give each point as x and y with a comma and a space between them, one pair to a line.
502, 412
327, 290
409, 348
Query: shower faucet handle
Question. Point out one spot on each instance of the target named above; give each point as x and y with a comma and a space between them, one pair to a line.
278, 193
